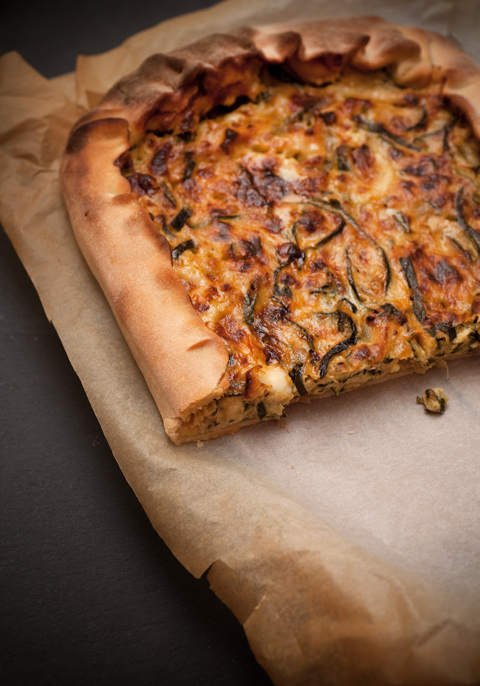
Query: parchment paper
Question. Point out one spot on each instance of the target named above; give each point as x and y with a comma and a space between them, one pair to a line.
347, 543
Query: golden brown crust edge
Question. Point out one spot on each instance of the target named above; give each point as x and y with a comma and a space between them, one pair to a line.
182, 360
132, 263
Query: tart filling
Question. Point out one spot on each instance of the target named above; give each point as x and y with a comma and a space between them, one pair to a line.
330, 235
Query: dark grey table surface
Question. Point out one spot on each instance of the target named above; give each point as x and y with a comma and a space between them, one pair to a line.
89, 594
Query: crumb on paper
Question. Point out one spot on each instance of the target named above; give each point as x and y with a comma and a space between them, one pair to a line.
200, 444
292, 467
434, 400
282, 424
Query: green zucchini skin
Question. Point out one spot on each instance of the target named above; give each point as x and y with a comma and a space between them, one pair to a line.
411, 277
249, 306
296, 375
381, 130
178, 222
182, 247
472, 233
338, 348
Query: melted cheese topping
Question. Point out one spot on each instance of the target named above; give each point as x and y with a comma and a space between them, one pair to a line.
326, 234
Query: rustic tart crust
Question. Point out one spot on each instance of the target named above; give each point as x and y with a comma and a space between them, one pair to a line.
182, 360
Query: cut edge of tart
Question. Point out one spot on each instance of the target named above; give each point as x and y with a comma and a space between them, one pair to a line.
284, 212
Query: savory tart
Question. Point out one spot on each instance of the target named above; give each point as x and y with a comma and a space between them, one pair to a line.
284, 212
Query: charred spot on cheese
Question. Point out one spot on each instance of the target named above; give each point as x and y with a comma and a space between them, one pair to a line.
392, 311
141, 183
328, 117
363, 158
230, 135
328, 234
158, 164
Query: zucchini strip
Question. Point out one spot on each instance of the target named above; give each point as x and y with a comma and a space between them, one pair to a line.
402, 222
417, 303
280, 291
249, 304
421, 123
335, 207
303, 332
168, 194
181, 218
261, 410
330, 236
445, 328
181, 247
190, 165
350, 280
472, 233
165, 228
296, 374
376, 127
338, 348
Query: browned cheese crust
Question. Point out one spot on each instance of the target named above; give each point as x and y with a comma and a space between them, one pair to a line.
285, 211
